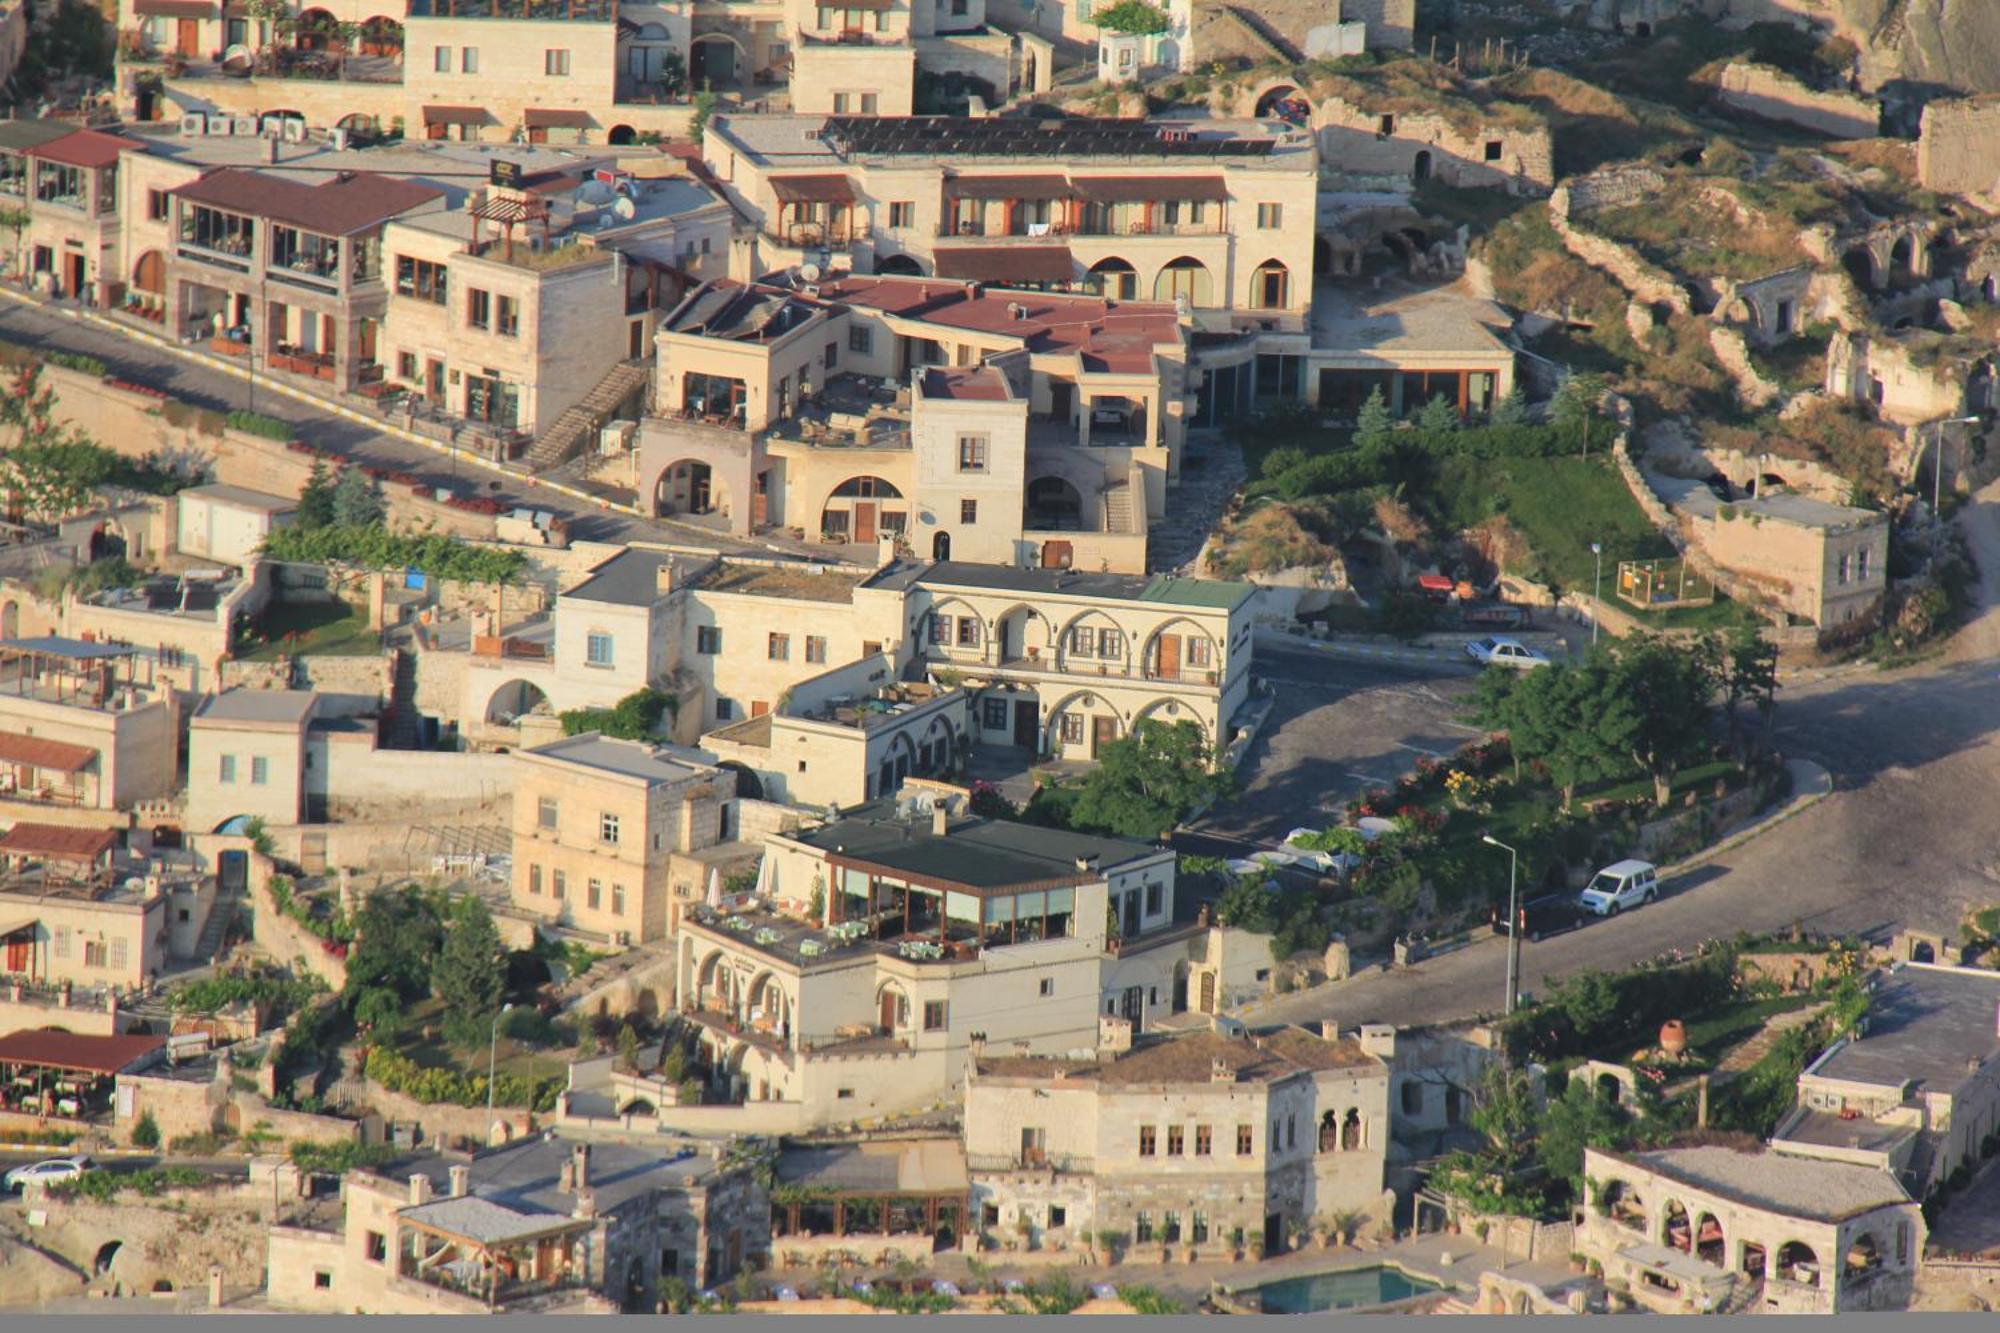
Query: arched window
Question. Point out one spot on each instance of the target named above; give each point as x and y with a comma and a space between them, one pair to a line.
1271, 286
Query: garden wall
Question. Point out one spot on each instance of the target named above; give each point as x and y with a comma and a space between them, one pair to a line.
288, 941
1775, 95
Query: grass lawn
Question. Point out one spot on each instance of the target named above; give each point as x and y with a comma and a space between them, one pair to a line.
1701, 775
330, 628
1559, 506
1712, 1035
513, 1057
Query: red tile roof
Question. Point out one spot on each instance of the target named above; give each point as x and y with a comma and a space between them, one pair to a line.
41, 752
456, 115
1115, 336
340, 206
1007, 187
85, 148
58, 842
535, 118
983, 385
827, 189
76, 1051
1007, 263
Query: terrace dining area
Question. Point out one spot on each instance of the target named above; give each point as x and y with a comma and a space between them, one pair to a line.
946, 922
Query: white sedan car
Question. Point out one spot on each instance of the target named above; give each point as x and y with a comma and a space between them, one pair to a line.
47, 1173
1505, 653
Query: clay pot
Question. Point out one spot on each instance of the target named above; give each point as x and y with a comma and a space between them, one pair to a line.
1673, 1036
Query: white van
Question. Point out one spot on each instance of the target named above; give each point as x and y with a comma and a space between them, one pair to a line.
1617, 887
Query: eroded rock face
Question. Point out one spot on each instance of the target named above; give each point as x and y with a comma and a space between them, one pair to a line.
1953, 43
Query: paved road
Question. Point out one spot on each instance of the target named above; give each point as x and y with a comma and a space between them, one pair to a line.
134, 360
1904, 840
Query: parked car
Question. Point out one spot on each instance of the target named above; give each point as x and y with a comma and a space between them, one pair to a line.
1496, 615
1617, 887
1547, 915
47, 1173
1505, 653
1326, 863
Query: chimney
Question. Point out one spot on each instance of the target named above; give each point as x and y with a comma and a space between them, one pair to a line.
461, 1181
271, 148
581, 1156
586, 1204
663, 578
1329, 1029
566, 1178
1379, 1040
420, 1189
940, 820
885, 551
1219, 1071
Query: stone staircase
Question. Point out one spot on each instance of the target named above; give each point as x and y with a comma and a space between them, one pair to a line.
1280, 46
1744, 1296
401, 731
1211, 472
572, 431
1451, 1305
1118, 507
214, 930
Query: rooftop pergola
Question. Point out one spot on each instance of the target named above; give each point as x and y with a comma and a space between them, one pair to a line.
63, 670
489, 1250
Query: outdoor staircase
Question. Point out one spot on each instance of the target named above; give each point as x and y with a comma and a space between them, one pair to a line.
1451, 1305
571, 432
1747, 1292
1281, 46
401, 731
1118, 507
214, 930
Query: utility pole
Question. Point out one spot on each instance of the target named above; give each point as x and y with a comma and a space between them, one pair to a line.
1513, 917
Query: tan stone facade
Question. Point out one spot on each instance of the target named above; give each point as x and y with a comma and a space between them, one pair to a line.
1827, 564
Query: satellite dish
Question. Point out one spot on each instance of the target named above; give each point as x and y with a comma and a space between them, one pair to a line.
624, 208
810, 272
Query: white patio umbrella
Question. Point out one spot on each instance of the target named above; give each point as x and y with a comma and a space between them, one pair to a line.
715, 888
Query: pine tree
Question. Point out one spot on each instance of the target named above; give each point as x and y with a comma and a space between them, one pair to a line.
357, 500
1511, 410
1373, 426
468, 975
316, 499
1438, 419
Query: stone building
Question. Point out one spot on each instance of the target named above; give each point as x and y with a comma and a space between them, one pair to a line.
247, 757
1736, 1229
1917, 1094
1462, 144
1824, 563
1202, 1141
614, 837
544, 1225
83, 726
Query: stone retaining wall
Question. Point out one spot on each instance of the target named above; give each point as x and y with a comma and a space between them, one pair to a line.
1775, 95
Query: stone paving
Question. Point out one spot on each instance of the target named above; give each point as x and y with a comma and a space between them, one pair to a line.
1211, 472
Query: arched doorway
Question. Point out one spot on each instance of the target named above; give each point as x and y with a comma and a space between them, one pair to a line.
1350, 1131
1709, 1245
749, 787
621, 135
318, 30
688, 487
899, 266
861, 509
149, 275
941, 546
1675, 1229
1863, 1258
514, 701
382, 36
1322, 257
1271, 286
1284, 103
1902, 258
1185, 279
1420, 169
715, 61
10, 620
1860, 265
1797, 1262
106, 1253
1920, 952
1113, 278
1054, 505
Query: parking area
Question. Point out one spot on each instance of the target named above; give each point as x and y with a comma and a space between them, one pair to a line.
1339, 727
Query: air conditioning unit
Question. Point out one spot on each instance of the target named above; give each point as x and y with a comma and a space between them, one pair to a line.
244, 127
220, 125
193, 123
338, 138
295, 131
624, 939
616, 437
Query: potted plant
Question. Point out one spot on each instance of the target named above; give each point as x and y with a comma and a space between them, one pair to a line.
1026, 1228
1108, 1241
1236, 1244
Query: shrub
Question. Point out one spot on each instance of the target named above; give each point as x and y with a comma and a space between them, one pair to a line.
88, 365
146, 1134
257, 423
432, 1086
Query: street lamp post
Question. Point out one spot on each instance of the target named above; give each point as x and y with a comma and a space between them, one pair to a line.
492, 1054
1513, 916
1596, 587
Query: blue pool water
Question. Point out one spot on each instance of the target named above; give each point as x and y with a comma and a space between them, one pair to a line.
1342, 1291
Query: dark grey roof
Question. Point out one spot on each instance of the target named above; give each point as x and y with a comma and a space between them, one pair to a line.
1211, 593
1927, 1026
484, 1221
630, 578
24, 134
930, 1166
524, 1175
275, 707
77, 650
976, 853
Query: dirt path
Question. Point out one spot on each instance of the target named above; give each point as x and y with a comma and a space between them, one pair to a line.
1980, 522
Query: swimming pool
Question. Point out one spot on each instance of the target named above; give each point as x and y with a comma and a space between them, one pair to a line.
1345, 1290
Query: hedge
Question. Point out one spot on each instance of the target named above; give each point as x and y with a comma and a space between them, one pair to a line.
256, 423
398, 1073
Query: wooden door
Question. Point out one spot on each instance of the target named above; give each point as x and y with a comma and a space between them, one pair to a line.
17, 955
864, 523
1102, 731
888, 1011
1061, 406
1169, 666
1208, 992
1027, 723
187, 37
759, 707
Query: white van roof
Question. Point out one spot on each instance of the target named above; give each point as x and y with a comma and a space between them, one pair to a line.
1623, 869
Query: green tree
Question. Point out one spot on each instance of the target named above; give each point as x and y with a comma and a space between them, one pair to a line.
1373, 425
704, 108
628, 1046
1149, 781
636, 717
1504, 1112
49, 468
357, 500
316, 498
1657, 703
1247, 903
1510, 411
1438, 420
380, 1010
146, 1133
15, 220
1566, 717
469, 973
1133, 17
1752, 678
1581, 1118
397, 935
1576, 406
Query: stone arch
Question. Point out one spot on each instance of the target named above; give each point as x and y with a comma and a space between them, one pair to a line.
1420, 166
1271, 285
621, 135
941, 547
848, 498
1676, 1229
358, 122
315, 30
1795, 1255
1921, 952
892, 1002
1710, 1245
1863, 1257
749, 786
689, 486
716, 57
1352, 1131
1024, 630
106, 1254
1170, 711
163, 1286
149, 274
1859, 261
1184, 627
1053, 503
1052, 742
1622, 1204
513, 700
382, 36
1270, 100
1092, 618
1902, 256
1185, 277
765, 992
1329, 1131
899, 266
713, 976
1114, 278
638, 1106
